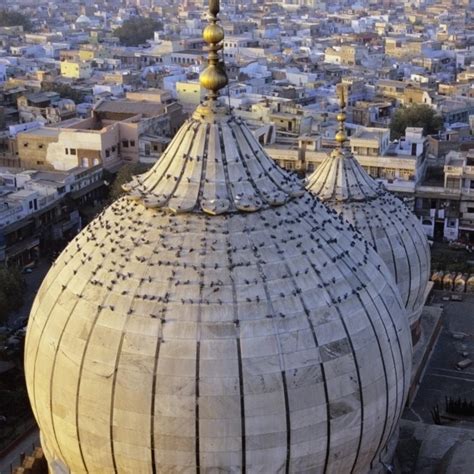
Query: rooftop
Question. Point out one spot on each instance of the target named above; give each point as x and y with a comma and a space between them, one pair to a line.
43, 131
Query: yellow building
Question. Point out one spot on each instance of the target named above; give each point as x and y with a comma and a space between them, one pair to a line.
76, 70
86, 54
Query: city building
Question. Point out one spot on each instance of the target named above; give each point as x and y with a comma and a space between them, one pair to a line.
76, 69
38, 208
108, 138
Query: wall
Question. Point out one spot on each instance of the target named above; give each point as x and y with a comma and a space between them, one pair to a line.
32, 150
189, 93
78, 140
128, 132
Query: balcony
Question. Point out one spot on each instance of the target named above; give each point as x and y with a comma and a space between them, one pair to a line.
438, 192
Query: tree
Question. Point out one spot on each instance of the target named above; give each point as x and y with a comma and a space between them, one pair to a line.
417, 115
124, 175
64, 90
10, 18
137, 30
11, 290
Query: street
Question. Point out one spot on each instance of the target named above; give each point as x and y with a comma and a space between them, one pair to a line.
442, 378
16, 321
26, 446
33, 280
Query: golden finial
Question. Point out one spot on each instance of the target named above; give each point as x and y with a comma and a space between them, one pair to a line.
341, 117
214, 77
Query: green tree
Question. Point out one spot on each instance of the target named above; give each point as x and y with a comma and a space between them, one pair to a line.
11, 290
417, 115
64, 90
10, 18
137, 30
124, 175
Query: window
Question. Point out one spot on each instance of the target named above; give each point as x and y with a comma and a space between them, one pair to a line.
25, 145
132, 142
40, 146
155, 148
113, 149
31, 204
66, 150
107, 153
452, 183
85, 162
125, 143
470, 210
451, 223
72, 151
40, 162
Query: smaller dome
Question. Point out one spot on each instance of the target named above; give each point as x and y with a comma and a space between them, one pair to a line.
383, 219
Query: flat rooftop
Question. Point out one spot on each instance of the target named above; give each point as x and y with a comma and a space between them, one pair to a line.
365, 134
43, 131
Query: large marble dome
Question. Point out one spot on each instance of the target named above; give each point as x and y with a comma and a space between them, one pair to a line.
383, 219
218, 318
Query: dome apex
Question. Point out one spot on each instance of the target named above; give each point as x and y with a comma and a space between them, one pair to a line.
214, 165
340, 178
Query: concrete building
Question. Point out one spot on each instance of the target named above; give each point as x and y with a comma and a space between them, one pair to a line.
345, 55
446, 205
38, 208
189, 94
45, 107
108, 138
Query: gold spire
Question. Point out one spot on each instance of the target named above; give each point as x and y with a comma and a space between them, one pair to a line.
341, 118
214, 77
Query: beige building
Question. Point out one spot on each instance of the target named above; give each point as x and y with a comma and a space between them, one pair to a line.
346, 55
109, 137
189, 94
83, 143
370, 141
402, 47
390, 89
417, 95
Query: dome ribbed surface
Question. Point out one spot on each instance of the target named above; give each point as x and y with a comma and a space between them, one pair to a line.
384, 220
214, 165
182, 342
341, 178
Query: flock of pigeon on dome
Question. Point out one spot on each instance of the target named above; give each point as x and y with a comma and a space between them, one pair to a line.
220, 318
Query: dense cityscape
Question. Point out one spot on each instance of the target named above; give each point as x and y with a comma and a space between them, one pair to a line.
236, 236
